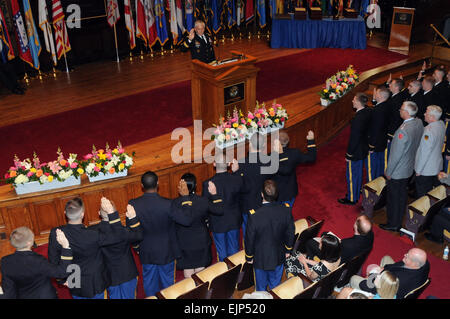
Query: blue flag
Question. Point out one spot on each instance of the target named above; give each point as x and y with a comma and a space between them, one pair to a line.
215, 11
189, 12
261, 9
33, 39
161, 23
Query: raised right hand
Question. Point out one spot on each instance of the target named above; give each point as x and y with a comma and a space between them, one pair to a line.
61, 238
191, 34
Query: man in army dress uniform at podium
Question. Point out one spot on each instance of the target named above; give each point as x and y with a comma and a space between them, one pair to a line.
200, 44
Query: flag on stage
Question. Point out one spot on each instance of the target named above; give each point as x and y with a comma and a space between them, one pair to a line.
189, 12
215, 11
47, 30
141, 26
112, 12
61, 35
230, 12
176, 20
33, 38
150, 22
261, 10
21, 34
161, 25
249, 11
129, 23
6, 49
239, 12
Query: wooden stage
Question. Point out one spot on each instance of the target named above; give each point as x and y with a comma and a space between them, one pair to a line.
98, 82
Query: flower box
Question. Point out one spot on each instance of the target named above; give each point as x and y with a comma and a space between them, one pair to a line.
35, 186
325, 102
101, 176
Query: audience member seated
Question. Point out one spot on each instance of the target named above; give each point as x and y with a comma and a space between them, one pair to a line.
330, 252
412, 271
386, 285
26, 274
440, 222
360, 242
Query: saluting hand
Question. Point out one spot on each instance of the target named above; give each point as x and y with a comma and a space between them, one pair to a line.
390, 78
107, 206
191, 34
182, 188
212, 188
131, 213
310, 135
61, 239
234, 165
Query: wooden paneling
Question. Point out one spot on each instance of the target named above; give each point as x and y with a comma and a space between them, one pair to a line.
92, 206
44, 216
18, 216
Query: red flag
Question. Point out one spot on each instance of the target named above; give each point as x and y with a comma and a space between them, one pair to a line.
141, 29
61, 36
150, 19
21, 34
129, 23
249, 11
113, 13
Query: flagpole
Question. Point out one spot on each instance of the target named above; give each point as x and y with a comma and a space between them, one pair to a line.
64, 44
117, 49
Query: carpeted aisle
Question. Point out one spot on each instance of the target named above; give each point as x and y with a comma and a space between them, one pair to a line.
320, 184
135, 118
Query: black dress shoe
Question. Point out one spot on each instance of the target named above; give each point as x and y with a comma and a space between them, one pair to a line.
345, 201
430, 236
389, 228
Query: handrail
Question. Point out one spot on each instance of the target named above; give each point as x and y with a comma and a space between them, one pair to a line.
440, 34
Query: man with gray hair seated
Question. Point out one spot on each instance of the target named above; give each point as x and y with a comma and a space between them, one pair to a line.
412, 272
429, 161
26, 274
401, 165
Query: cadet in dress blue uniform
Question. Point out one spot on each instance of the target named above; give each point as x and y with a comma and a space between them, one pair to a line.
416, 95
159, 248
119, 258
225, 228
194, 240
251, 169
286, 177
26, 274
200, 44
377, 158
269, 238
86, 245
399, 95
357, 149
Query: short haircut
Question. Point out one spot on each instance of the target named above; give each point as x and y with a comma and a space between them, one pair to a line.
21, 237
441, 70
362, 98
191, 182
410, 107
358, 295
399, 83
384, 92
430, 80
360, 227
74, 209
331, 248
389, 284
198, 22
284, 138
416, 83
149, 180
270, 191
258, 141
435, 111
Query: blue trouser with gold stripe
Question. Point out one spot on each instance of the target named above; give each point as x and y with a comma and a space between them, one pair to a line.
227, 244
354, 176
157, 277
375, 164
126, 290
271, 278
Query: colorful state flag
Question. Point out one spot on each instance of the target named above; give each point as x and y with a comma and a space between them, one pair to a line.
239, 12
176, 20
47, 30
249, 11
21, 34
261, 10
112, 12
129, 23
152, 32
161, 25
189, 12
141, 27
61, 35
6, 49
215, 11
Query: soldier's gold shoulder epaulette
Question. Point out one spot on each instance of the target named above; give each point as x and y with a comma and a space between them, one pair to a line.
252, 211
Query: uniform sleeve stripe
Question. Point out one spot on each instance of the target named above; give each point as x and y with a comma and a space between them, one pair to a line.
312, 145
217, 201
114, 221
135, 225
248, 256
284, 159
186, 203
66, 258
288, 248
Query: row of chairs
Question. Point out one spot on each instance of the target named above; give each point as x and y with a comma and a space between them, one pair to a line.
220, 280
419, 213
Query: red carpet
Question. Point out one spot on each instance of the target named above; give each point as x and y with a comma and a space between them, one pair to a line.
317, 199
139, 117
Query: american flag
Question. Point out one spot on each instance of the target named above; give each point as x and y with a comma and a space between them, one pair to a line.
61, 36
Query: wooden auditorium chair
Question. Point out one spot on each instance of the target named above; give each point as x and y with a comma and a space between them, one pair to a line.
374, 195
288, 289
306, 234
352, 267
184, 289
325, 286
246, 277
421, 211
222, 281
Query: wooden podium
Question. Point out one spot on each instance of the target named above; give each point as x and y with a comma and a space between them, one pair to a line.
402, 21
218, 88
